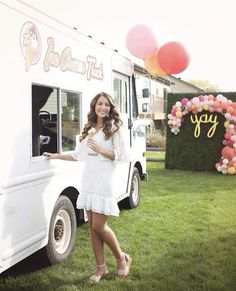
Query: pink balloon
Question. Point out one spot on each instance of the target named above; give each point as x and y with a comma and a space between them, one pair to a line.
230, 142
184, 101
141, 41
227, 135
173, 57
228, 153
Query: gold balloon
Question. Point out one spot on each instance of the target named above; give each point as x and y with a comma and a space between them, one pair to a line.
153, 67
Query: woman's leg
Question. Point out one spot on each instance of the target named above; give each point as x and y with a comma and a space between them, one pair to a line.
100, 227
97, 243
100, 233
104, 232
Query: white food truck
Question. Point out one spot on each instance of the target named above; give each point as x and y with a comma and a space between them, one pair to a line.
49, 74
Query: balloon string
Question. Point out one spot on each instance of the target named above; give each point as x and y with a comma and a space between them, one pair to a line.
172, 89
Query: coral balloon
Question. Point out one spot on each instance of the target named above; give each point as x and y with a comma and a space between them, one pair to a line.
141, 41
153, 67
173, 57
228, 153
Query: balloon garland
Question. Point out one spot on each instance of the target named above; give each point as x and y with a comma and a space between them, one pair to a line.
220, 104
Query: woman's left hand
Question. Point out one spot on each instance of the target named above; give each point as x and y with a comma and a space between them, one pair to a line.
93, 145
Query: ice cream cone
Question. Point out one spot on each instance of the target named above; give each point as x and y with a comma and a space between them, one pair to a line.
31, 49
30, 53
91, 132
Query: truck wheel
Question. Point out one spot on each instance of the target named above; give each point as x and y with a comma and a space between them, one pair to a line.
62, 231
135, 193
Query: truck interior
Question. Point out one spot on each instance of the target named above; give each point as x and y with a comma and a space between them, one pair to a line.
49, 132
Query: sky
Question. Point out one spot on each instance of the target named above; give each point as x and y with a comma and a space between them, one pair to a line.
206, 28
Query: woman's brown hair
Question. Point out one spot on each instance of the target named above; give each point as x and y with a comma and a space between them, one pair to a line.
108, 120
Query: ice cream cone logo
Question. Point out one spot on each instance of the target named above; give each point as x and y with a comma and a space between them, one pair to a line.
31, 45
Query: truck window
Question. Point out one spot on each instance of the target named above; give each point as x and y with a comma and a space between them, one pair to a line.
134, 98
71, 115
50, 133
44, 119
120, 95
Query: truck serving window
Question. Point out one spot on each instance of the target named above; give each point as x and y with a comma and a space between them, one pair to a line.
120, 92
50, 133
44, 119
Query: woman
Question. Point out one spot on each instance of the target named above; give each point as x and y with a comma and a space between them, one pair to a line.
100, 152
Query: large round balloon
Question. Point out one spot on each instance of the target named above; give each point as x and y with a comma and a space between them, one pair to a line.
228, 153
141, 41
152, 66
173, 57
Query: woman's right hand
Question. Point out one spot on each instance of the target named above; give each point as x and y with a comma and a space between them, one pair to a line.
51, 155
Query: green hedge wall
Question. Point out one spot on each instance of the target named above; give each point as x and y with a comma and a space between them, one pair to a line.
186, 152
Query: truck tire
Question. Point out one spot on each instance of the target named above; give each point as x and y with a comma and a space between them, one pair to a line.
135, 193
62, 231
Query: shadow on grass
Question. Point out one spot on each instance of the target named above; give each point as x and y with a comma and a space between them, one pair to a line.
31, 264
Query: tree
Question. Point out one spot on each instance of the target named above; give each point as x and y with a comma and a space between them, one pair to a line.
205, 85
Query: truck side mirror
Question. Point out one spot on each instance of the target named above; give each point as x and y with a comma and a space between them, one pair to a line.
140, 131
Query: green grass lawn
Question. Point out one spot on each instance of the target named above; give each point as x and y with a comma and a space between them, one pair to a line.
182, 237
156, 155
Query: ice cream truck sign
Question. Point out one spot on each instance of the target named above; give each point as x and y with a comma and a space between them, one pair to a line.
31, 47
50, 77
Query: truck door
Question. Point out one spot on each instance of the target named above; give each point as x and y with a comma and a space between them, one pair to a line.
122, 101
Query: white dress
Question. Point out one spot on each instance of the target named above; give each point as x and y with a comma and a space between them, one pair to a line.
97, 178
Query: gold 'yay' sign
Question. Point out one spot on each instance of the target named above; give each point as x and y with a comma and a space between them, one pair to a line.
204, 118
218, 104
